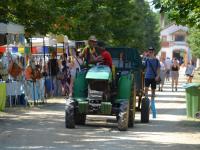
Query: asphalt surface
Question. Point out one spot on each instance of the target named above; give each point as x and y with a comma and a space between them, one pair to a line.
42, 128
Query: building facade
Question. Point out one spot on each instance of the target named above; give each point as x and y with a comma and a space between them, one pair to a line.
174, 43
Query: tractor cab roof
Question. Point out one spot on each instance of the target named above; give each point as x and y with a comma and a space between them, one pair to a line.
125, 58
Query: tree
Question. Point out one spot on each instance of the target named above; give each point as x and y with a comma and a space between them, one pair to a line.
37, 16
151, 27
194, 41
126, 23
184, 12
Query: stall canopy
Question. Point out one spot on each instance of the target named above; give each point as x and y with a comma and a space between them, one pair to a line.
11, 28
11, 33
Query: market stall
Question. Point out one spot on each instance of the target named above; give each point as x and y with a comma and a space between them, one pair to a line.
12, 45
16, 51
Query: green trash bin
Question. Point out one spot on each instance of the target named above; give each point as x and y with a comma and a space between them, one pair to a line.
2, 95
192, 99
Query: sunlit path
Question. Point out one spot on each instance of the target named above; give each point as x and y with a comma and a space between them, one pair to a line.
42, 128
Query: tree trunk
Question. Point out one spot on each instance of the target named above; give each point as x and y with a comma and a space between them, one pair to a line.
162, 20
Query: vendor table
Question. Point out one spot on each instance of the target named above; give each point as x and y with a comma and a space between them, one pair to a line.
13, 88
2, 95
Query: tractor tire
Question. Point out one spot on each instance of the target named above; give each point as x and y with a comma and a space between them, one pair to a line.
69, 115
131, 120
132, 109
80, 118
123, 117
145, 109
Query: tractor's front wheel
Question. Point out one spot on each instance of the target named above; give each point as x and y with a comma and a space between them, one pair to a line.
123, 116
69, 114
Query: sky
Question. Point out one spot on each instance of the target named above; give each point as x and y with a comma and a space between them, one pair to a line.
151, 5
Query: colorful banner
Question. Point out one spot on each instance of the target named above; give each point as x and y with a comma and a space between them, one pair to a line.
14, 49
2, 49
46, 49
39, 49
21, 50
34, 50
27, 50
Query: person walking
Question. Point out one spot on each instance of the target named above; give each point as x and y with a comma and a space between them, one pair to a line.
168, 63
189, 72
163, 69
53, 68
175, 74
152, 74
65, 75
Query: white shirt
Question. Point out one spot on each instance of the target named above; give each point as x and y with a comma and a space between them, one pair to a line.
168, 63
162, 66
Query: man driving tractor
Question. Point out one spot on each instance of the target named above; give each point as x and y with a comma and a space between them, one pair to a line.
89, 52
91, 57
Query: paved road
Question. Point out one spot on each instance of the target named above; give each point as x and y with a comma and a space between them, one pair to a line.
42, 128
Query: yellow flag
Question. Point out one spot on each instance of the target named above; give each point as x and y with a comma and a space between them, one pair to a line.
21, 50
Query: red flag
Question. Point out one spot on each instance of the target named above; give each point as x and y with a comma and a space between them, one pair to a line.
2, 49
34, 50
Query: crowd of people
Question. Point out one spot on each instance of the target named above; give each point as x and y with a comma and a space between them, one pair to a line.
55, 76
159, 71
165, 69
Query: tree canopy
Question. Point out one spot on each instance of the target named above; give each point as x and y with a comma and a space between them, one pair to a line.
184, 12
128, 23
194, 41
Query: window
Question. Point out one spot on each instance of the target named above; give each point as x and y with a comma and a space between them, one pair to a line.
179, 38
164, 38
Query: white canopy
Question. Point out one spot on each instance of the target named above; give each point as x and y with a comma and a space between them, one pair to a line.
11, 28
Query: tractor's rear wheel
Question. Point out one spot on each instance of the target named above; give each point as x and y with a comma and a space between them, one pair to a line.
123, 116
145, 108
131, 118
69, 115
132, 109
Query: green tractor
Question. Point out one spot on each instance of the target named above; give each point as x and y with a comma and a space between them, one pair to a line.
104, 91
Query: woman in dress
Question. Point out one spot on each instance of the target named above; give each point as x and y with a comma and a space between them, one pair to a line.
64, 78
175, 74
189, 72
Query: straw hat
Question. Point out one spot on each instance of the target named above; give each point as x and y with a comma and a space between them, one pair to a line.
92, 38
